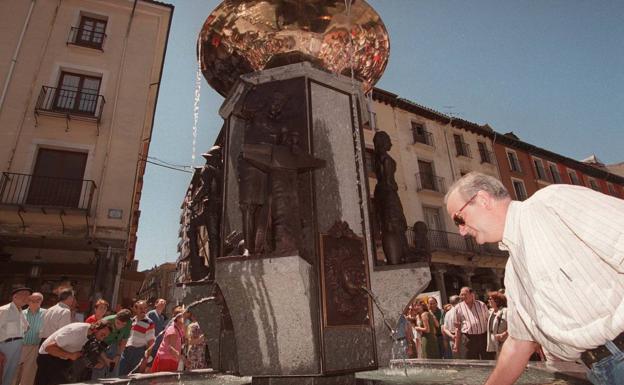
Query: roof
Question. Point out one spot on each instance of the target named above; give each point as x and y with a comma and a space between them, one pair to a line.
509, 139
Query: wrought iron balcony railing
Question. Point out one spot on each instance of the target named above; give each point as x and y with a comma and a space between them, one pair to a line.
78, 104
428, 181
86, 38
22, 189
442, 240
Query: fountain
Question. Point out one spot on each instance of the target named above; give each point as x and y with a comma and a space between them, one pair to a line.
284, 288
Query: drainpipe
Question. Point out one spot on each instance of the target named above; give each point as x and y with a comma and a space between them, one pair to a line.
448, 150
14, 58
120, 264
122, 63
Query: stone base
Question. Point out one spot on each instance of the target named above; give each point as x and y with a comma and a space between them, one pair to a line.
344, 379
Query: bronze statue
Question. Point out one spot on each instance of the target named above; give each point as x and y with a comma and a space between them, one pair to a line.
422, 248
206, 204
283, 162
387, 203
264, 126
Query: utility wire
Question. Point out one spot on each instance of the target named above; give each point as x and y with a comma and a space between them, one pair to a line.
165, 166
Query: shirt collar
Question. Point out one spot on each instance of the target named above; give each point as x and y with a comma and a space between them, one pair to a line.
510, 234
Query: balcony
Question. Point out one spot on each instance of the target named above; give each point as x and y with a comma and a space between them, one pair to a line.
428, 181
462, 149
445, 241
71, 104
44, 191
423, 137
85, 37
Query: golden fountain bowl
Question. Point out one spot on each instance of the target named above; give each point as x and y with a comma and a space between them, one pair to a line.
243, 36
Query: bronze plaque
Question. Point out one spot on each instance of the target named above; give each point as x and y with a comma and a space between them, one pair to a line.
344, 277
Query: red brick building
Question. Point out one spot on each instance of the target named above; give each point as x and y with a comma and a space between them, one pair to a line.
525, 168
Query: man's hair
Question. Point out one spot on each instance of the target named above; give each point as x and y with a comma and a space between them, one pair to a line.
65, 293
100, 302
467, 287
454, 300
123, 315
37, 294
101, 324
473, 182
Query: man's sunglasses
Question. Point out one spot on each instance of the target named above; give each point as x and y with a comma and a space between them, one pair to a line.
457, 217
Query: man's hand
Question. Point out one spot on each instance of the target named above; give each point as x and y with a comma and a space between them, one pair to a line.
511, 362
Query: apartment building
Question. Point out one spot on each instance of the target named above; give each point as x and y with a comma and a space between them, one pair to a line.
525, 168
80, 82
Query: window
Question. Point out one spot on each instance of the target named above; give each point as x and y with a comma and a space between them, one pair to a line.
369, 161
573, 177
514, 163
554, 172
57, 178
486, 155
540, 172
77, 93
461, 147
426, 175
433, 218
593, 184
519, 189
420, 134
90, 32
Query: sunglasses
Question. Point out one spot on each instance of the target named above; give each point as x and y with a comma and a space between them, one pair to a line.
457, 217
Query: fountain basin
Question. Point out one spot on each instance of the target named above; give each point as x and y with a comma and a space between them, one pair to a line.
405, 372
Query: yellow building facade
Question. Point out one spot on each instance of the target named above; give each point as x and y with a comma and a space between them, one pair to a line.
80, 82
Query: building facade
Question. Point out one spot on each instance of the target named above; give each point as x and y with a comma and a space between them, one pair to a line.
80, 84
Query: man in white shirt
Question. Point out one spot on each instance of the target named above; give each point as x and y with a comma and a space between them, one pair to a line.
13, 326
63, 347
449, 329
58, 315
566, 244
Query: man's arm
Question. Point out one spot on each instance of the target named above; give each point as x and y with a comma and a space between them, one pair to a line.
511, 362
54, 350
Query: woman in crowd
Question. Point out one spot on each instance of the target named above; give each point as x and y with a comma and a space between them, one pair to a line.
196, 356
412, 334
169, 353
497, 324
429, 340
101, 307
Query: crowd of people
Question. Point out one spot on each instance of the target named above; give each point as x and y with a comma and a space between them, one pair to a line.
465, 328
48, 346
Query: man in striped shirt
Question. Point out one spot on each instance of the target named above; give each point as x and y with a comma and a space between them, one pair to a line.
564, 277
471, 317
30, 348
141, 337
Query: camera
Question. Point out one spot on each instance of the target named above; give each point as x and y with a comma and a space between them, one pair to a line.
92, 350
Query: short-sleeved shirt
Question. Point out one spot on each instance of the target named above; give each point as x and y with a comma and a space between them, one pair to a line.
13, 323
163, 351
473, 319
158, 319
35, 320
55, 318
116, 335
141, 333
70, 338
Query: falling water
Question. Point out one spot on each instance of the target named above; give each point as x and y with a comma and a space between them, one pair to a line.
196, 109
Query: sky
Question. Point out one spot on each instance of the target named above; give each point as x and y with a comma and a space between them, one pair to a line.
551, 71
